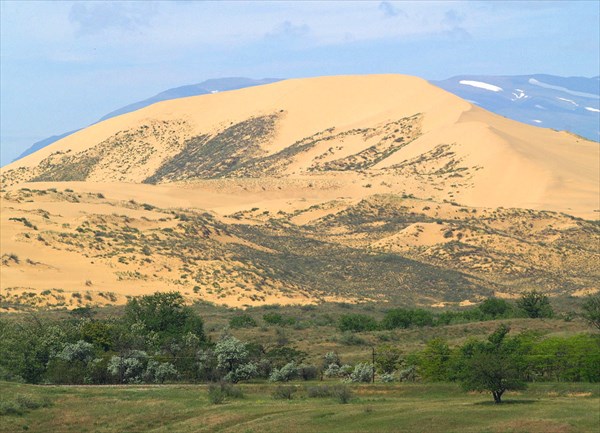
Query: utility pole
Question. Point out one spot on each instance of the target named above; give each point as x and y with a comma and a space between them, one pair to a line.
373, 378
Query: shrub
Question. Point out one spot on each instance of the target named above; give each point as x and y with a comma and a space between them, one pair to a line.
387, 377
273, 318
10, 408
402, 318
350, 339
219, 392
357, 323
332, 371
307, 372
242, 372
342, 393
283, 392
363, 372
319, 391
285, 374
331, 358
215, 394
242, 321
434, 362
409, 374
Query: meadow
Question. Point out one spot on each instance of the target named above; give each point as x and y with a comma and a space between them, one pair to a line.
431, 408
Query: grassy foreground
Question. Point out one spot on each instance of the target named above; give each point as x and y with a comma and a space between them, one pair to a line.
430, 408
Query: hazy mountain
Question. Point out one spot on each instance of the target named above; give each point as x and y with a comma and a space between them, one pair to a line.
203, 88
301, 191
561, 103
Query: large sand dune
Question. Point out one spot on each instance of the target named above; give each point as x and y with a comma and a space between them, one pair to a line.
307, 157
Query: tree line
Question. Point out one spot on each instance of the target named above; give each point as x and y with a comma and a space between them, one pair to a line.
159, 339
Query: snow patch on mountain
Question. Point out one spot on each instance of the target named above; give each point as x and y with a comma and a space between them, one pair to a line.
519, 94
562, 89
481, 85
568, 100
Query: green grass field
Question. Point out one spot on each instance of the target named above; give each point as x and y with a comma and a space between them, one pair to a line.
428, 408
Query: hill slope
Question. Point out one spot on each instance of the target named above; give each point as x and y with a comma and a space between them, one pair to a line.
301, 191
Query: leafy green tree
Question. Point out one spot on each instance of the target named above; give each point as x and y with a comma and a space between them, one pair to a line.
535, 304
387, 358
494, 307
591, 310
165, 315
496, 365
566, 359
27, 346
98, 333
434, 361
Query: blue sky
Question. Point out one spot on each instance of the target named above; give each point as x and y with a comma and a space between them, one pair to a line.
66, 64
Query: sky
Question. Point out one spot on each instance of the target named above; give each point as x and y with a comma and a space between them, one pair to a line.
65, 64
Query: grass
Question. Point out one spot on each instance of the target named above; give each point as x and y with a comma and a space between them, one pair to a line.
380, 408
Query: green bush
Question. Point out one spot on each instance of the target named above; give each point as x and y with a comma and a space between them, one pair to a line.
357, 323
535, 304
403, 318
242, 321
363, 372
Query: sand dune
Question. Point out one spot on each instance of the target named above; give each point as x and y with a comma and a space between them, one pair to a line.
302, 152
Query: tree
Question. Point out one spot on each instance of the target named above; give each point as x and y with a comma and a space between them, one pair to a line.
496, 365
357, 323
387, 358
591, 310
434, 362
494, 307
535, 304
165, 315
402, 318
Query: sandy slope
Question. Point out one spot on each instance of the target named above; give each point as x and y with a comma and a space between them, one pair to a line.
406, 137
511, 164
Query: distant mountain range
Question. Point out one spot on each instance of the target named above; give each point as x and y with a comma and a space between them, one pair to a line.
562, 103
203, 88
570, 104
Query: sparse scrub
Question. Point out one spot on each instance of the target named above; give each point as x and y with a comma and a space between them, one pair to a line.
284, 392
